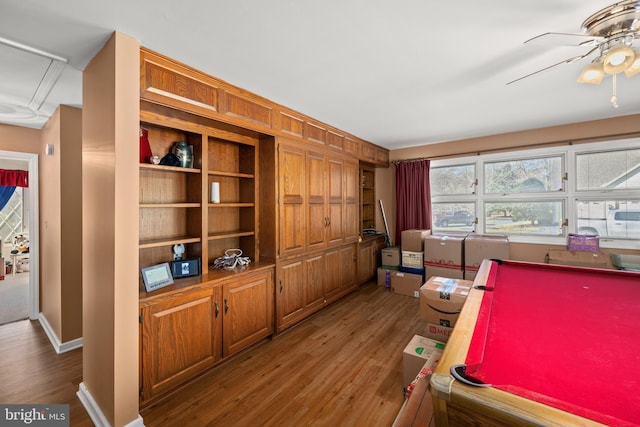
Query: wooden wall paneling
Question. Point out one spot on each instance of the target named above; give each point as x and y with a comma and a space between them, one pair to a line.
169, 83
335, 140
165, 81
291, 125
368, 152
351, 147
382, 157
247, 109
315, 132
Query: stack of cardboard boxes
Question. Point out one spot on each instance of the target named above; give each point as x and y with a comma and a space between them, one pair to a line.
403, 268
410, 277
458, 256
441, 300
451, 263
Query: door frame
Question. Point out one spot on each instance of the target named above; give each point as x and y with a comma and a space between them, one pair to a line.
34, 228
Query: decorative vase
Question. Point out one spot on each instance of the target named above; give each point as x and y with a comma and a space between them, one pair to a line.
184, 153
145, 147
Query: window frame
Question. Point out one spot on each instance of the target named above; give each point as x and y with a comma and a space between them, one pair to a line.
569, 194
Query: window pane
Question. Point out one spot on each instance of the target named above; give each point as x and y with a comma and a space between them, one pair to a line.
450, 180
448, 217
11, 217
539, 218
609, 218
524, 176
608, 170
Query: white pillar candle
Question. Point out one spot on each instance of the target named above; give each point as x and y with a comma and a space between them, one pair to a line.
215, 192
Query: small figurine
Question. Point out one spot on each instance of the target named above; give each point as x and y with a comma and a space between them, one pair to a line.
178, 251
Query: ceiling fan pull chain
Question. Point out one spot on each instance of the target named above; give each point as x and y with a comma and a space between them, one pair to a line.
614, 98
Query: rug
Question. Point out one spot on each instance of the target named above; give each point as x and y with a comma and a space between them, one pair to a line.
14, 298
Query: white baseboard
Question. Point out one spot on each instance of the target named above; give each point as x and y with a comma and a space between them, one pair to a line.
96, 414
53, 338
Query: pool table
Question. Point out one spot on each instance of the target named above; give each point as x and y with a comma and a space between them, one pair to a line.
541, 344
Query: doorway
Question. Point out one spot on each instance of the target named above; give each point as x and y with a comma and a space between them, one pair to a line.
21, 280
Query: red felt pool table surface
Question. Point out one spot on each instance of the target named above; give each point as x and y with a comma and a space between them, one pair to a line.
565, 337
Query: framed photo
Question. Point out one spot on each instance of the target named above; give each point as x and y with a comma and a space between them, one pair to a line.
185, 267
156, 276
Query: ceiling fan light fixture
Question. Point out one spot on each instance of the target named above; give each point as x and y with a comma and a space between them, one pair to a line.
593, 74
618, 59
634, 68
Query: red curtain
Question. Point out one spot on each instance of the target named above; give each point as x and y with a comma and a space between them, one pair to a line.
413, 195
14, 178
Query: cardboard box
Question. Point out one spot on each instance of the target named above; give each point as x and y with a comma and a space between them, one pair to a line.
478, 247
419, 352
441, 300
391, 256
439, 333
626, 262
412, 259
411, 270
580, 259
452, 273
444, 251
384, 276
412, 240
583, 242
407, 284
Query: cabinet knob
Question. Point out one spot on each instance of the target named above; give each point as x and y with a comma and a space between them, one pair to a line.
226, 306
217, 308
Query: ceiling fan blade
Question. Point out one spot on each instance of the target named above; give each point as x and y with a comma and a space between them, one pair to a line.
564, 39
566, 61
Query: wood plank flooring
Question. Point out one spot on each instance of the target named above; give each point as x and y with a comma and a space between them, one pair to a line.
340, 367
32, 373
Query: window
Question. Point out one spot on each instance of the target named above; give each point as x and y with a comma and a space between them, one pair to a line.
453, 180
541, 195
458, 184
524, 176
531, 217
11, 217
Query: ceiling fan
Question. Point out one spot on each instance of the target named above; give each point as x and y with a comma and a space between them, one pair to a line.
611, 33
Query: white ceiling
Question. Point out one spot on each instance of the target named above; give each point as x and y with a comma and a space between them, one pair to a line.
397, 73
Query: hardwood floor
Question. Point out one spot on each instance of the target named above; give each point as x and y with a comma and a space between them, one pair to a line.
32, 372
340, 367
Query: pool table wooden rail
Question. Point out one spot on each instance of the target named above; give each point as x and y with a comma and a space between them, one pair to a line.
456, 404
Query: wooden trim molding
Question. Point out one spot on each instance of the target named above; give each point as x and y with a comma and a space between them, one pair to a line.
170, 83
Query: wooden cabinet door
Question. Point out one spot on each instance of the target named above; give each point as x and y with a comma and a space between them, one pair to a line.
290, 299
314, 278
348, 270
179, 340
365, 261
351, 201
335, 187
248, 311
317, 218
332, 275
292, 188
